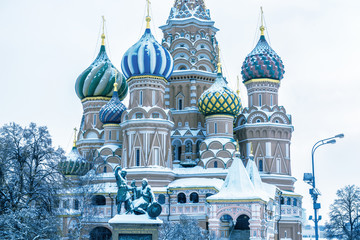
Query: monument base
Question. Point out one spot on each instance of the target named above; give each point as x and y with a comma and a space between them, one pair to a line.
135, 227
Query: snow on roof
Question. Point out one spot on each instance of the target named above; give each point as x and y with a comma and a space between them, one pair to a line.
256, 180
238, 186
197, 182
222, 140
112, 147
198, 170
131, 218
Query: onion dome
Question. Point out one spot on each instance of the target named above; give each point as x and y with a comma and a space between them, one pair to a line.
74, 163
147, 57
219, 98
98, 79
111, 112
262, 62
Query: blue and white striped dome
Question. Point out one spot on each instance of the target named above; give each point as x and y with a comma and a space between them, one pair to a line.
111, 112
147, 57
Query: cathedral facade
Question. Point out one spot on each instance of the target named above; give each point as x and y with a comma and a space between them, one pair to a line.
186, 131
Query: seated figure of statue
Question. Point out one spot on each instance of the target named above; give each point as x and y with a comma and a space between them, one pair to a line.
123, 195
144, 200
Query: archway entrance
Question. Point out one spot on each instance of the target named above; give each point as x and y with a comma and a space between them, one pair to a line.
226, 226
242, 228
100, 233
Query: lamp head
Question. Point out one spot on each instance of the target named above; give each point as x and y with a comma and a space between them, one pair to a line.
341, 135
332, 141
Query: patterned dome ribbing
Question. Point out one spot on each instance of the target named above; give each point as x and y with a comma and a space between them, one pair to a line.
219, 99
74, 164
111, 112
98, 79
147, 57
262, 62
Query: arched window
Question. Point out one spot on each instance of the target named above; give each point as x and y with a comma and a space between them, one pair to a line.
194, 197
215, 128
141, 98
294, 202
215, 164
202, 68
288, 202
271, 100
161, 199
198, 149
181, 198
182, 67
282, 201
105, 169
98, 200
188, 147
261, 167
94, 119
76, 204
109, 135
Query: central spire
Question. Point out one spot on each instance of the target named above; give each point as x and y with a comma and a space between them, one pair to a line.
148, 18
103, 32
262, 27
74, 142
219, 62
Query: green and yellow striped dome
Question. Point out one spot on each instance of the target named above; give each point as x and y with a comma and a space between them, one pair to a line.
219, 99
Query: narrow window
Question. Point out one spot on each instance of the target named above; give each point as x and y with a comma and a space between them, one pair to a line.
180, 104
215, 128
105, 169
94, 119
260, 98
153, 98
226, 128
261, 168
271, 100
141, 98
251, 100
294, 202
156, 156
215, 164
178, 157
76, 204
288, 202
278, 165
281, 200
137, 157
109, 135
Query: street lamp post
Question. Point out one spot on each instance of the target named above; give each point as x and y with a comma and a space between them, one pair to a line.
310, 179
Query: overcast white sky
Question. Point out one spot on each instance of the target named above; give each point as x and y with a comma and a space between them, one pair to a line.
45, 45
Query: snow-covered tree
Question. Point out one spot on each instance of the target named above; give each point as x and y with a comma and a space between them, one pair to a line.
186, 228
344, 215
29, 182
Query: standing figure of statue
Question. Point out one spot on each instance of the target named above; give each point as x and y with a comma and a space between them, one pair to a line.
123, 195
145, 200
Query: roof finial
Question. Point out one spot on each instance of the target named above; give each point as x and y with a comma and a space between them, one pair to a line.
238, 86
219, 62
237, 146
262, 27
103, 31
115, 83
74, 143
148, 18
251, 149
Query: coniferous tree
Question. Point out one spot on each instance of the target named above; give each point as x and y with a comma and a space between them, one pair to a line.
29, 182
344, 215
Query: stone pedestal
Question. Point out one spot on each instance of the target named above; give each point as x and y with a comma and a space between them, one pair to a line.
135, 227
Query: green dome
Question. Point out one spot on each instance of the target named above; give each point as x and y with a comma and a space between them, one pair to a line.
74, 164
98, 79
219, 99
